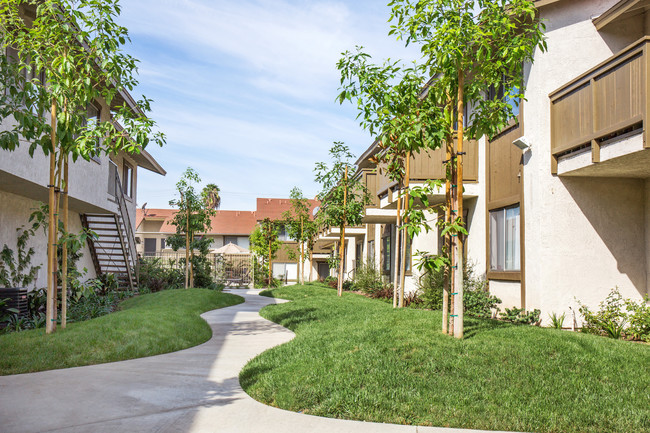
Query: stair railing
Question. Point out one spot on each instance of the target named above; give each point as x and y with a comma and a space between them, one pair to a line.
132, 261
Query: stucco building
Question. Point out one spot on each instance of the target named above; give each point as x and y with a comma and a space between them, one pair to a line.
567, 218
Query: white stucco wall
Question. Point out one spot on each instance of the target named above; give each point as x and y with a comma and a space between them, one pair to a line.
15, 213
583, 236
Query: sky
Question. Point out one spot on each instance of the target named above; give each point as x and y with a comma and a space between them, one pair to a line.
245, 90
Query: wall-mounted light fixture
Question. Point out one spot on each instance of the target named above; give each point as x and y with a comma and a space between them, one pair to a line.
522, 143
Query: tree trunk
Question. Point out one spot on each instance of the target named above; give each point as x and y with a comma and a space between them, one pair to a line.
187, 246
342, 239
191, 262
302, 252
404, 233
50, 314
311, 264
64, 264
270, 267
458, 326
398, 223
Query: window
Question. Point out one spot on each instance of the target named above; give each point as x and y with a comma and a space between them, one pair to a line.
230, 240
162, 244
112, 172
282, 233
127, 180
386, 252
504, 239
501, 94
93, 113
371, 252
359, 255
149, 246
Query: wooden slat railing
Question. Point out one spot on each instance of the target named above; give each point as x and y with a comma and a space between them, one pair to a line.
607, 100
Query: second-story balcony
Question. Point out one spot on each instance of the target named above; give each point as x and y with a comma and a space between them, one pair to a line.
599, 120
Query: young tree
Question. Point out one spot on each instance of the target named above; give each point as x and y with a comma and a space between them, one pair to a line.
192, 218
469, 47
265, 243
211, 196
299, 225
63, 59
342, 198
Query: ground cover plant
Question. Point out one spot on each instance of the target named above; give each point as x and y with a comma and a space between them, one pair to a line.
145, 325
357, 358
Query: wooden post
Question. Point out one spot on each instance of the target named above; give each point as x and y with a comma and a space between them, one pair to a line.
187, 245
64, 260
269, 230
404, 243
50, 314
447, 240
458, 281
302, 252
342, 238
398, 223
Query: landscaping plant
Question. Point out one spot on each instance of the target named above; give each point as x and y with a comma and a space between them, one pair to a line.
618, 317
557, 321
520, 316
300, 226
265, 244
342, 198
194, 216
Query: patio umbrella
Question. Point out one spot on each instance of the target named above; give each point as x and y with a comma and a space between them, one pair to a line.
231, 248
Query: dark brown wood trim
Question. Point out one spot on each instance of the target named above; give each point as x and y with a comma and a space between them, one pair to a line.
504, 275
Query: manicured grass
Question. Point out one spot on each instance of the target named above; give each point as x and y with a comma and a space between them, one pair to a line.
357, 358
146, 325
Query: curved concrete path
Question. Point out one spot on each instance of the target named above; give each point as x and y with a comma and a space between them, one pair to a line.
193, 390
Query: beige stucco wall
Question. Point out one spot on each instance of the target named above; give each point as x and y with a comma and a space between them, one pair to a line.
15, 213
582, 236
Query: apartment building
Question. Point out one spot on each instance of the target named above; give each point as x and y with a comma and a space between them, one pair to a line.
102, 197
558, 203
153, 226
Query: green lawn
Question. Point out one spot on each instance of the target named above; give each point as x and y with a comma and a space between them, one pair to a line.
357, 358
146, 325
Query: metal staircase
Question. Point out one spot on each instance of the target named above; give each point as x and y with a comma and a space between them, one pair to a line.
114, 249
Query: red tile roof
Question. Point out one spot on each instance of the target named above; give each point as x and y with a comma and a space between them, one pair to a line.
274, 207
226, 222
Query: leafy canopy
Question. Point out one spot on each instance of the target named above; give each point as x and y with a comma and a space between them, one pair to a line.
343, 198
69, 53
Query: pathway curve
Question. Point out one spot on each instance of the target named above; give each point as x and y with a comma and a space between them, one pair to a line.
193, 390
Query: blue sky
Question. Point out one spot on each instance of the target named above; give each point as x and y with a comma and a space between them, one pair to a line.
245, 90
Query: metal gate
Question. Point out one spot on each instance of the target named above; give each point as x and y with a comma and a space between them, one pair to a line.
233, 270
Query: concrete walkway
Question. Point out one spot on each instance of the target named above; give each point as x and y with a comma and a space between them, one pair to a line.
194, 390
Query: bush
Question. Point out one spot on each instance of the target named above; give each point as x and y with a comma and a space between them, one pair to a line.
202, 272
154, 276
639, 319
477, 300
367, 278
348, 286
520, 316
618, 317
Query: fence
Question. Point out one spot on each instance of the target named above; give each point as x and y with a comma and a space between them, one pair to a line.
229, 269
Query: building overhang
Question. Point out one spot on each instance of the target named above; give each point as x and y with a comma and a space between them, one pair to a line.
623, 157
379, 216
621, 11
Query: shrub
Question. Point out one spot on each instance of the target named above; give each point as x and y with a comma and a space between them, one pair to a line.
520, 316
639, 319
202, 271
367, 278
476, 299
609, 320
154, 276
348, 285
557, 322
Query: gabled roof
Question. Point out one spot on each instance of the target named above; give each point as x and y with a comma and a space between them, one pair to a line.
225, 222
273, 208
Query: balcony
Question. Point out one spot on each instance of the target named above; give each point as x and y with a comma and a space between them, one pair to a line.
598, 120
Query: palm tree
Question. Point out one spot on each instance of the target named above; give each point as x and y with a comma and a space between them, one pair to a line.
211, 196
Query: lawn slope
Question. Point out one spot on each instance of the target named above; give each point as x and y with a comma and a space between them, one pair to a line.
145, 325
357, 358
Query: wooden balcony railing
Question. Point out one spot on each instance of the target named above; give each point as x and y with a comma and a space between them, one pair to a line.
428, 165
605, 101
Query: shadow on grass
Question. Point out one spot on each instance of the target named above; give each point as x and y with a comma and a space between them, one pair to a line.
293, 318
251, 374
475, 326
